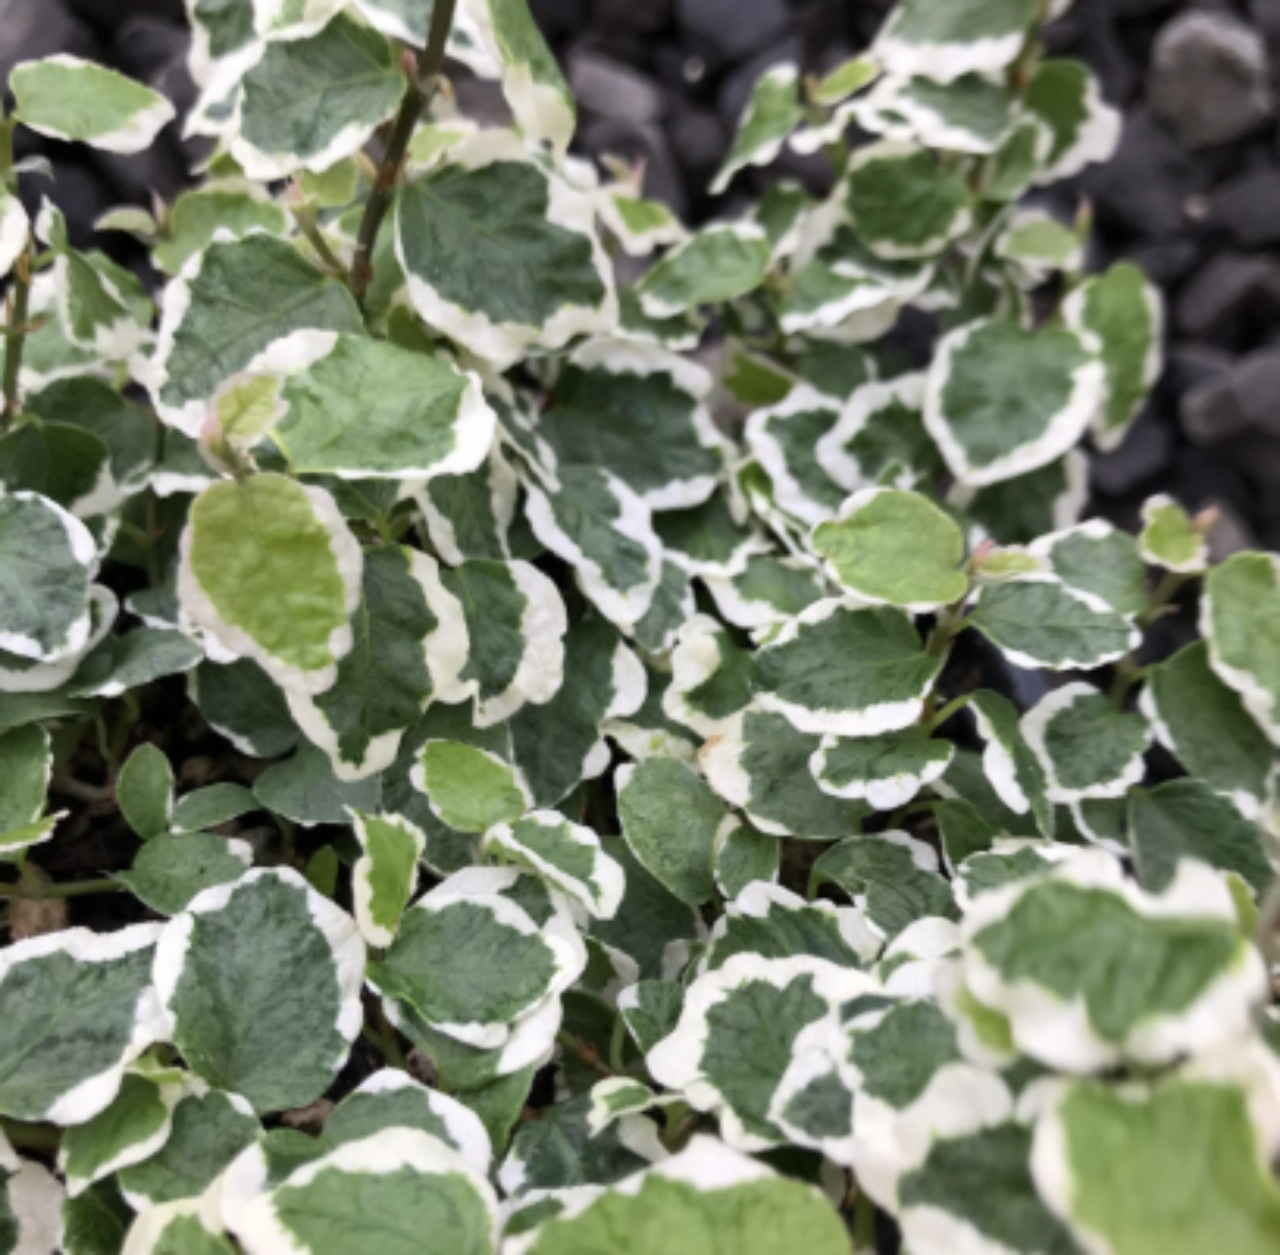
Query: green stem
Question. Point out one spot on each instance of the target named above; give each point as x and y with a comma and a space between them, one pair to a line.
19, 304
954, 706
1165, 592
383, 1037
951, 622
422, 87
72, 889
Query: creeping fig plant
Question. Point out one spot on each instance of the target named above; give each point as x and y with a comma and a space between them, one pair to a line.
474, 779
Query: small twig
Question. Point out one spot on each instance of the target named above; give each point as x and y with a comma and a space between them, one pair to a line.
18, 305
423, 85
584, 1052
31, 890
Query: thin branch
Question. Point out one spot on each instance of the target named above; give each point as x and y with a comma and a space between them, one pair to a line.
18, 307
422, 87
72, 889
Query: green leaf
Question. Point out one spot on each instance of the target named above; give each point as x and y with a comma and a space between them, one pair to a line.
444, 962
897, 875
1013, 770
1001, 401
492, 214
768, 922
1176, 1167
786, 439
744, 856
652, 927
270, 568
412, 1182
1126, 314
895, 548
311, 102
66, 464
885, 771
95, 1222
1170, 538
1205, 725
409, 644
850, 76
640, 225
651, 1010
516, 622
760, 763
566, 855
67, 98
145, 791
737, 1033
78, 1009
391, 1099
470, 789
261, 979
304, 789
944, 42
711, 676
535, 89
470, 516
178, 1226
845, 672
708, 1194
247, 305
903, 202
127, 431
210, 1129
129, 1130
605, 531
104, 308
213, 805
671, 819
978, 1187
201, 212
772, 113
1240, 620
1087, 748
562, 1150
1188, 979
1095, 557
717, 264
768, 591
241, 703
385, 875
1038, 622
1066, 98
368, 409
1036, 245
969, 114
1018, 511
26, 765
1187, 819
641, 414
47, 559
171, 869
880, 438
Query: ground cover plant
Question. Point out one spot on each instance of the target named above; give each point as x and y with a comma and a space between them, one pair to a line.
458, 793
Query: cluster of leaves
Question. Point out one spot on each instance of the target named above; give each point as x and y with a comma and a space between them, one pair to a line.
619, 770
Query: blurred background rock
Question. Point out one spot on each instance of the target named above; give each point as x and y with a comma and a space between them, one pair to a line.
1193, 194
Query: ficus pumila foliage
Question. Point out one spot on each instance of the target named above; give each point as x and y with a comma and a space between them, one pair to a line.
605, 849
